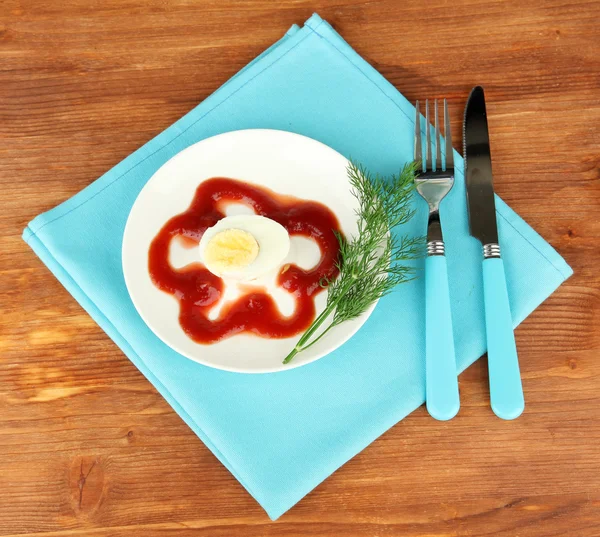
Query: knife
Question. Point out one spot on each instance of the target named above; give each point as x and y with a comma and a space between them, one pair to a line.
506, 391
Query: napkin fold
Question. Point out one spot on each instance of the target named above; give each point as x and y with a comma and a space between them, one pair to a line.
282, 434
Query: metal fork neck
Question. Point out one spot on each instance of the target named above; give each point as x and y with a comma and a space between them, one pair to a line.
435, 240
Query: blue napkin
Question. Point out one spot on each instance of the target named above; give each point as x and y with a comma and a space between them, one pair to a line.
282, 434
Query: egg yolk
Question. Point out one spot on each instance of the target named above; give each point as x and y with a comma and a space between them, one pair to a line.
230, 250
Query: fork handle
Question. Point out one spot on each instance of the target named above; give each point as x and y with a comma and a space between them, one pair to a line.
440, 363
506, 391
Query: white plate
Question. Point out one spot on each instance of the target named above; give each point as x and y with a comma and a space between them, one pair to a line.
282, 161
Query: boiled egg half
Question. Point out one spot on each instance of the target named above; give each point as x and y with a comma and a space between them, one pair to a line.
244, 247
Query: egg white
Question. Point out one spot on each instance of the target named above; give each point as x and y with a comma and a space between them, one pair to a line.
272, 238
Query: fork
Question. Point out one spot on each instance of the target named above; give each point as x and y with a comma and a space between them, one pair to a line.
434, 180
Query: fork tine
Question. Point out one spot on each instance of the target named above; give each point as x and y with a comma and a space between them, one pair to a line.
428, 165
418, 151
438, 149
448, 136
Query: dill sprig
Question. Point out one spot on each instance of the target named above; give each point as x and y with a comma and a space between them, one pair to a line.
371, 263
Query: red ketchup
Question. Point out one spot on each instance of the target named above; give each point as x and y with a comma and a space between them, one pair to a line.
198, 290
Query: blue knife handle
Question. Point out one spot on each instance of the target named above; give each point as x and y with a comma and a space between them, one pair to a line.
506, 391
440, 363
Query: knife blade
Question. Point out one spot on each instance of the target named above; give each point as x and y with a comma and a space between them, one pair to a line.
506, 390
478, 170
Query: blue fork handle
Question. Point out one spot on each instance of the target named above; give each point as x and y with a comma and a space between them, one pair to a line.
440, 363
506, 391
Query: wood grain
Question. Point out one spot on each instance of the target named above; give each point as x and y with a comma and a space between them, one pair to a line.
87, 446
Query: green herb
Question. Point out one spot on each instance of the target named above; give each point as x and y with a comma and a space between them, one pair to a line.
370, 263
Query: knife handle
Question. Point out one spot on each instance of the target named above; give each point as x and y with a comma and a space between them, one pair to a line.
440, 363
506, 391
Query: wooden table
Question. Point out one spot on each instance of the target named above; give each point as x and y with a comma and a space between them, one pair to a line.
89, 448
